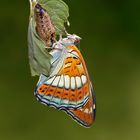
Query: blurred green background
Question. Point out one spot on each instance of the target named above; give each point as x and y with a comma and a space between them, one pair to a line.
110, 32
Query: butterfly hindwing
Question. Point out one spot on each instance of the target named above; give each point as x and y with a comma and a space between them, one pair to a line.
68, 88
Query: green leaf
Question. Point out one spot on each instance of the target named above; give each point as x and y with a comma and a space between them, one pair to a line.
39, 58
58, 12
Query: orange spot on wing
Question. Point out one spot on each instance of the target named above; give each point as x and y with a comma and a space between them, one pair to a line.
86, 88
58, 93
42, 89
80, 94
50, 91
65, 94
73, 96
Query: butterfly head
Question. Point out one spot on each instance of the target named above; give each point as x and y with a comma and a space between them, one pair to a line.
69, 40
75, 39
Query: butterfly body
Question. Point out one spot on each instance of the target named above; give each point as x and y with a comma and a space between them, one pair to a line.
68, 87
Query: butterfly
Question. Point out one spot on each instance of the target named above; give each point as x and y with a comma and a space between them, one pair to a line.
68, 86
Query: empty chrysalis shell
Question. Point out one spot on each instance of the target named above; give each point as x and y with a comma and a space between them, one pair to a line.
44, 26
